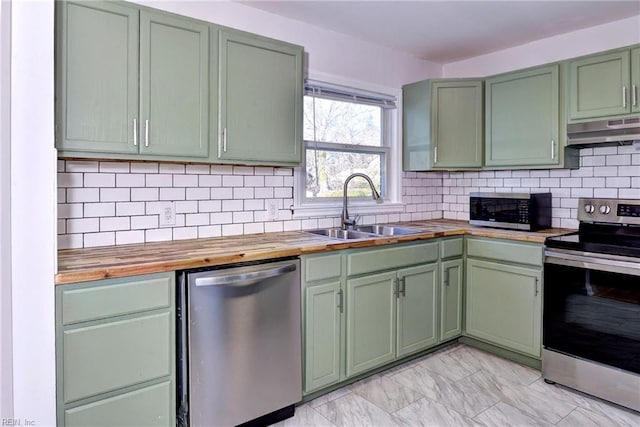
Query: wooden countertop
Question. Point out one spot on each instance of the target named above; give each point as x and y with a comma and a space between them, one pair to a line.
80, 265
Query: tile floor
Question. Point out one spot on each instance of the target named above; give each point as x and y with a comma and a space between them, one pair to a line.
459, 386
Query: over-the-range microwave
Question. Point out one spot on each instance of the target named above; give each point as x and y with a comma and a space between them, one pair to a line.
519, 211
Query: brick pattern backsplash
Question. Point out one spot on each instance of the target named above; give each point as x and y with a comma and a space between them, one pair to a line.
102, 203
604, 172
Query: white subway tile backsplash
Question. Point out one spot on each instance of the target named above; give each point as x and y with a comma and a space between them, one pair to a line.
223, 200
99, 239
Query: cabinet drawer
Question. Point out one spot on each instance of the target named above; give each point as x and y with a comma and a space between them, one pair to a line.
115, 297
105, 357
149, 406
322, 267
367, 261
450, 248
505, 251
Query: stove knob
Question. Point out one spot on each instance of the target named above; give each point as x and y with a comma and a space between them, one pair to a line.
589, 208
604, 209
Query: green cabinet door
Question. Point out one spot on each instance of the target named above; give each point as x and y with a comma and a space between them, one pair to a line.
522, 118
416, 133
417, 309
97, 77
456, 123
599, 86
322, 335
503, 305
174, 80
451, 273
260, 100
635, 80
371, 322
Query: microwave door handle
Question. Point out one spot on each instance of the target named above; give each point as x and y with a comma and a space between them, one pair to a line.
592, 263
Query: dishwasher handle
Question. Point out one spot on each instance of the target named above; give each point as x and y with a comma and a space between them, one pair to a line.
244, 279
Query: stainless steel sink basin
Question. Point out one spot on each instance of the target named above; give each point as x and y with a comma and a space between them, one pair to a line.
338, 233
387, 230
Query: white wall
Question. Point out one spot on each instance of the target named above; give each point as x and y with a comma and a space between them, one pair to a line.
582, 42
33, 183
328, 52
6, 387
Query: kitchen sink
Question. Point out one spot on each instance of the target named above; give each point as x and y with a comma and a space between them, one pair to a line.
338, 233
387, 230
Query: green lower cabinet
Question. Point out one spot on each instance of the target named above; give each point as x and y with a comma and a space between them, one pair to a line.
115, 351
371, 322
503, 305
451, 273
322, 335
417, 309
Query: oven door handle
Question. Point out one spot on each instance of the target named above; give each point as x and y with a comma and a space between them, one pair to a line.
592, 263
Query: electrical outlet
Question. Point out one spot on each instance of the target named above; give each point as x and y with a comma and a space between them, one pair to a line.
167, 214
272, 210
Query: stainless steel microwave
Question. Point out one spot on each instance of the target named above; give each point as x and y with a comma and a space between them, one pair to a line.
519, 211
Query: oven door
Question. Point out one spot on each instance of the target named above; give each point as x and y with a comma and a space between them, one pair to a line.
592, 307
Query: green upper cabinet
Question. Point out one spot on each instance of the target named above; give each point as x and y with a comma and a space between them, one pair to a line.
416, 130
522, 121
635, 80
260, 100
600, 85
174, 83
131, 83
97, 77
456, 123
442, 124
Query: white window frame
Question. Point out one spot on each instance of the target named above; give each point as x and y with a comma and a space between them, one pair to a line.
393, 197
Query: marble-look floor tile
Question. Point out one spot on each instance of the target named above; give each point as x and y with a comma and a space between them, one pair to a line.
305, 416
355, 411
532, 402
503, 415
385, 393
449, 364
506, 369
469, 402
336, 394
623, 417
582, 417
425, 412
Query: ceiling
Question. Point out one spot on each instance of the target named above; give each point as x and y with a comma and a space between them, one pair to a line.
448, 31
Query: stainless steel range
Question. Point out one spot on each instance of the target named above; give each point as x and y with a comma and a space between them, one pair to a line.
591, 333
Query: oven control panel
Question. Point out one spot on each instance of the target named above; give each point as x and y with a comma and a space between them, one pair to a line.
616, 211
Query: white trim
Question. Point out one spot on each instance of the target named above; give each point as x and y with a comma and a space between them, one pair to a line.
393, 202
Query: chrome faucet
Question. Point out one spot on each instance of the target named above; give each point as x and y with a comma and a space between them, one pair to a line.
348, 223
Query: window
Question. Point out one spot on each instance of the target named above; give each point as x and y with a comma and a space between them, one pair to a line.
345, 132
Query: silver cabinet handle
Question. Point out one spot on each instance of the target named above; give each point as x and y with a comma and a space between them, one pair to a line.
435, 154
243, 279
146, 133
135, 132
536, 288
340, 301
624, 96
634, 95
224, 140
553, 149
403, 289
446, 277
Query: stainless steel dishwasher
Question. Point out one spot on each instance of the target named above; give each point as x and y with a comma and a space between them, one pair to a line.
239, 344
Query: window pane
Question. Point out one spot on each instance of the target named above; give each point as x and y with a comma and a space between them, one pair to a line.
342, 122
327, 170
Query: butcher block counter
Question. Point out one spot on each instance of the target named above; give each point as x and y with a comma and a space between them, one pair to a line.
81, 265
